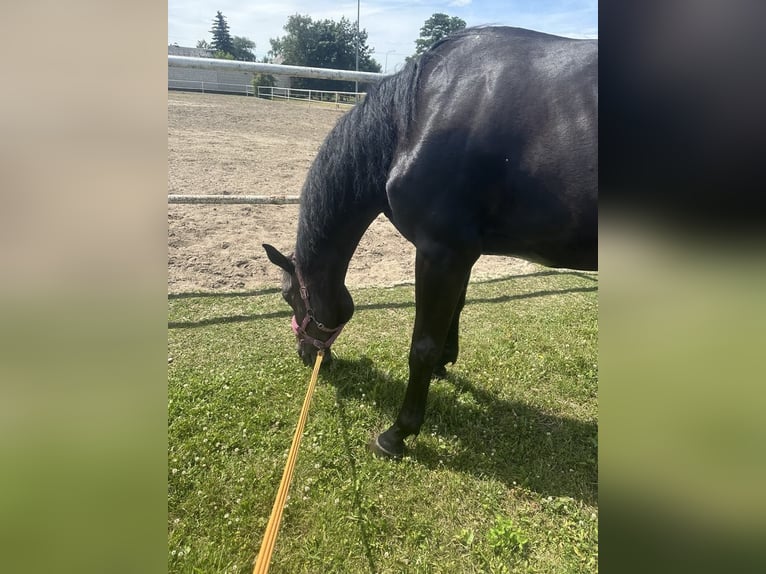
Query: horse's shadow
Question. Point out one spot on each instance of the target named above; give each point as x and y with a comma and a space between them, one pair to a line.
481, 434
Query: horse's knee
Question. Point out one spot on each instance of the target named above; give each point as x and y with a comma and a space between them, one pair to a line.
424, 352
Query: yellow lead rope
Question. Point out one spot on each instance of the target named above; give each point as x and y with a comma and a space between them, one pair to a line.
272, 528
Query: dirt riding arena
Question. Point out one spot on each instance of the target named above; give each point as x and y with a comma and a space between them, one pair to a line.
233, 145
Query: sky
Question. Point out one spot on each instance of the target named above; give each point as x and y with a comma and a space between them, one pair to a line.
392, 25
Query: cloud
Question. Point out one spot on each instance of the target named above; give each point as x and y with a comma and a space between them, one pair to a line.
460, 3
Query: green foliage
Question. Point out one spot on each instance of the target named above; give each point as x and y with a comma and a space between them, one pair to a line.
221, 55
221, 38
435, 28
323, 44
506, 538
243, 49
502, 478
261, 79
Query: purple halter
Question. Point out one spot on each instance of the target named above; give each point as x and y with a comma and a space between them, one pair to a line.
300, 330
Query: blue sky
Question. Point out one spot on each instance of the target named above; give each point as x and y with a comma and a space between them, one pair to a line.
392, 25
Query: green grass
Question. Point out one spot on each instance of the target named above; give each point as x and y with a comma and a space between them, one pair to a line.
502, 478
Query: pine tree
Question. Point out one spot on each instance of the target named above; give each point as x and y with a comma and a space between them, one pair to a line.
221, 38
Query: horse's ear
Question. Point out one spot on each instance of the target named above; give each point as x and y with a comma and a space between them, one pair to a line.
278, 259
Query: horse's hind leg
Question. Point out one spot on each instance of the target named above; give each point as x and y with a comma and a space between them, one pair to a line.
440, 280
450, 352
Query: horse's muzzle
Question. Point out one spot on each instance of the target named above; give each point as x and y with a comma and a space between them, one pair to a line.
308, 347
308, 354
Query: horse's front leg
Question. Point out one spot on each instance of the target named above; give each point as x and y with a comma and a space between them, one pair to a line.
440, 279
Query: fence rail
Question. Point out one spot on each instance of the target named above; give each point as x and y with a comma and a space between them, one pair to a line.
235, 199
304, 95
210, 86
274, 69
269, 92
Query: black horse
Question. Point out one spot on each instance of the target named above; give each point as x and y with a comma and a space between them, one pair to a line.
486, 144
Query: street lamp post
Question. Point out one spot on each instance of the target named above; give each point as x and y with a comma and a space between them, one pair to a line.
385, 68
356, 84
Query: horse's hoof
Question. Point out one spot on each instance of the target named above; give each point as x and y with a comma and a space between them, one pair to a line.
384, 450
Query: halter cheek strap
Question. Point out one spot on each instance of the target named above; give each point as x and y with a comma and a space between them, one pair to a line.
300, 330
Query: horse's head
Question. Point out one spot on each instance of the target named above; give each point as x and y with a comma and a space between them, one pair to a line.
310, 333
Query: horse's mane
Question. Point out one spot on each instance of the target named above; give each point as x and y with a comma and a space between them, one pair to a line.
352, 164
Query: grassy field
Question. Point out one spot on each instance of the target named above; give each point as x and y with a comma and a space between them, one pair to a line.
502, 478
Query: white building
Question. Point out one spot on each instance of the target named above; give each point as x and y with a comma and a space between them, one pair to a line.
191, 79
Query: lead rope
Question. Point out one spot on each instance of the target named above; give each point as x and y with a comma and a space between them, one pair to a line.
272, 528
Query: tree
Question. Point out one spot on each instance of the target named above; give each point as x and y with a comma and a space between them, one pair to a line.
435, 28
243, 49
323, 44
203, 44
221, 37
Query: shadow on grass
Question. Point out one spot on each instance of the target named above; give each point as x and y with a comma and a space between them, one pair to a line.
505, 298
510, 441
368, 306
272, 290
201, 294
227, 319
590, 276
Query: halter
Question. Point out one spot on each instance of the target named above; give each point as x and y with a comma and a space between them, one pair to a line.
300, 330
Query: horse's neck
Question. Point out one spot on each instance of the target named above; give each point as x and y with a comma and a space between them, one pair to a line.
326, 244
323, 253
344, 191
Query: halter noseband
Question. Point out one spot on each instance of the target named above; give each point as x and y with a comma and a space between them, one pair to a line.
300, 330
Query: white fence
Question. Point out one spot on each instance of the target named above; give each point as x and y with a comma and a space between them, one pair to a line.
274, 69
199, 86
303, 95
269, 92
